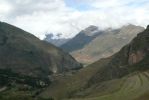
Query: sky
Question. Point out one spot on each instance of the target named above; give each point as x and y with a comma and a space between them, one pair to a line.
68, 17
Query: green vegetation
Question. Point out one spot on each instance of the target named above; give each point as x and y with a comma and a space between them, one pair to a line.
132, 87
25, 71
24, 53
20, 95
26, 63
121, 76
7, 77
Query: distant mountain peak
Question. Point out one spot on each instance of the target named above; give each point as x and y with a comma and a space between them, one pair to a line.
100, 43
91, 27
91, 30
56, 40
54, 36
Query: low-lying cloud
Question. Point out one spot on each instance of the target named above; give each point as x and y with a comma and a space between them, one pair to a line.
69, 17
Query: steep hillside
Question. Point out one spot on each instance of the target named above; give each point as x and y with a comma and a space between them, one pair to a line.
123, 76
110, 42
132, 57
131, 60
22, 55
81, 39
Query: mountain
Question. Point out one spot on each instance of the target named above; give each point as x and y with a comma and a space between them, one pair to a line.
56, 41
102, 44
122, 76
23, 57
81, 39
132, 57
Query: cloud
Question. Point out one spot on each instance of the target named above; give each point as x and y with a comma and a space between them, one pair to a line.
70, 16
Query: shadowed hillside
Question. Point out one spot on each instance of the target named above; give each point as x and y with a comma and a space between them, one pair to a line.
23, 55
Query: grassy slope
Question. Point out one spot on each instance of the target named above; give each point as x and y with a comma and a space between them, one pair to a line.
130, 88
66, 86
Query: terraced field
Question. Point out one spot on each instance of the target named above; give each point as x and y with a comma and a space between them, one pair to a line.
132, 87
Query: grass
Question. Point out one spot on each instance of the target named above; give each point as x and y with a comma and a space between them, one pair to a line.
134, 86
66, 86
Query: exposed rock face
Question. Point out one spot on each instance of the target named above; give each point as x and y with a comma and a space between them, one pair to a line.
132, 57
139, 50
136, 57
25, 54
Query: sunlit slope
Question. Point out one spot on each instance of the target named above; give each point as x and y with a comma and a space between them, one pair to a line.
128, 88
106, 44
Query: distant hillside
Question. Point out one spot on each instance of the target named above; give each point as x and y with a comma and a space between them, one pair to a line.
123, 76
55, 41
81, 39
88, 49
24, 56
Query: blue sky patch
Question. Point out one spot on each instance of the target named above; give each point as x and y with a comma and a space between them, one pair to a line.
81, 6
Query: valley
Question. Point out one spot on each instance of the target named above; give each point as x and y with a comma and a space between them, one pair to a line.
123, 75
74, 50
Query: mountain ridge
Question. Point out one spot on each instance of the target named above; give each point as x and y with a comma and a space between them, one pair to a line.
24, 54
81, 39
121, 76
107, 43
131, 54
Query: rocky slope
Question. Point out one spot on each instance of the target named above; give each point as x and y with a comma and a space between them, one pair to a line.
102, 43
132, 57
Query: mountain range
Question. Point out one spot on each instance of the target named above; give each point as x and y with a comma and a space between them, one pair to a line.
32, 69
92, 43
122, 76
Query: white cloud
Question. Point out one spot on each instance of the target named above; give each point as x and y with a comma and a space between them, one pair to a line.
41, 16
5, 8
